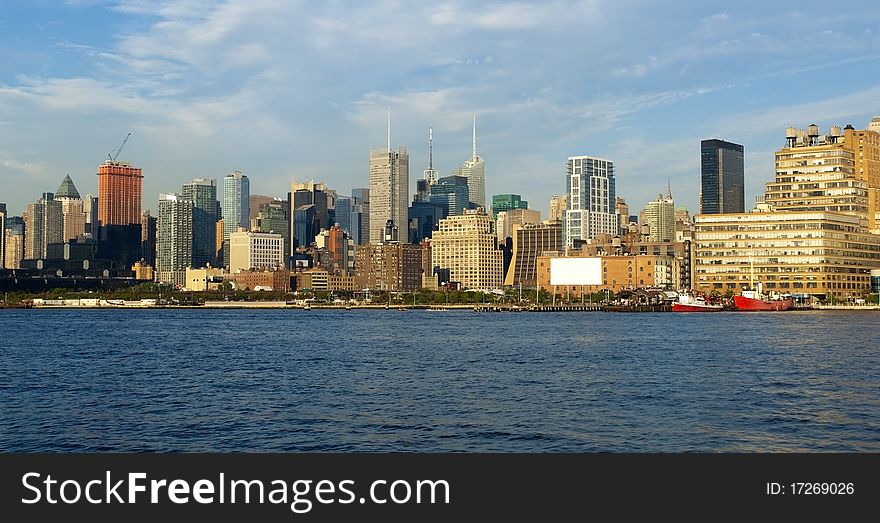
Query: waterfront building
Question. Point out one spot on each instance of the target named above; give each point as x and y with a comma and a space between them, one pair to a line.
507, 220
474, 170
206, 211
173, 238
590, 191
44, 225
277, 279
255, 250
119, 194
837, 172
395, 267
235, 207
660, 218
722, 177
2, 235
204, 279
557, 208
506, 202
467, 247
143, 271
452, 194
529, 242
619, 272
73, 217
811, 252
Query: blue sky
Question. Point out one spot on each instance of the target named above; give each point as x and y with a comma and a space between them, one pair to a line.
287, 90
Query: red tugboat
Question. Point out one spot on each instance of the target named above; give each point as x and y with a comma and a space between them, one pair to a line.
755, 300
695, 303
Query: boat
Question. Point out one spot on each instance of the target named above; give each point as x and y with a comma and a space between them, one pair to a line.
755, 300
695, 303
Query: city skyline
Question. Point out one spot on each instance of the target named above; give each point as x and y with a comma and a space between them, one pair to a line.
206, 90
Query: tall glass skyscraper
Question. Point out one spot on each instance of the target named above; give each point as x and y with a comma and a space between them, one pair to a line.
235, 207
722, 180
206, 211
591, 199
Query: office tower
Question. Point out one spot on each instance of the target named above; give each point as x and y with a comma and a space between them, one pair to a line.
43, 226
838, 171
452, 193
119, 193
389, 187
148, 239
660, 218
255, 250
467, 247
73, 217
174, 238
310, 203
360, 216
342, 206
557, 208
591, 200
2, 235
236, 201
474, 171
507, 221
90, 208
505, 202
273, 217
423, 219
722, 180
304, 226
529, 242
206, 211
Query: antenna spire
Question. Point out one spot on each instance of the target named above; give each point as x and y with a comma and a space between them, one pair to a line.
389, 128
668, 188
475, 137
431, 148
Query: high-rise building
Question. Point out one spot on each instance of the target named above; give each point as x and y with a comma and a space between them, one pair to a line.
389, 188
119, 193
319, 199
529, 242
722, 178
44, 225
206, 211
506, 202
474, 171
558, 205
394, 267
591, 200
90, 208
2, 235
467, 247
507, 221
255, 250
452, 193
660, 218
255, 203
236, 203
148, 239
273, 218
304, 226
342, 205
174, 238
73, 216
423, 219
360, 216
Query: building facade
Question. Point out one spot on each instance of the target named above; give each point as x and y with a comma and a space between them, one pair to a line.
619, 272
173, 238
44, 225
506, 202
660, 219
389, 190
73, 216
236, 203
557, 208
529, 242
467, 247
255, 250
452, 194
591, 195
507, 221
119, 193
817, 253
206, 211
395, 267
722, 178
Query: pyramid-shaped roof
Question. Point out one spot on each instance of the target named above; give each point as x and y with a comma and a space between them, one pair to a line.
67, 189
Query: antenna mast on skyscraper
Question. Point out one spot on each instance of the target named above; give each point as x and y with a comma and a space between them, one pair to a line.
431, 148
475, 137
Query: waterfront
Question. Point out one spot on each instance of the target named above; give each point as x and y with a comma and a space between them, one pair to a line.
336, 380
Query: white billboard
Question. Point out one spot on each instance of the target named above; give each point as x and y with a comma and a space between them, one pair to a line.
575, 271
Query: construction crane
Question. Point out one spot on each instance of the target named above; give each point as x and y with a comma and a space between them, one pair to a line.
118, 149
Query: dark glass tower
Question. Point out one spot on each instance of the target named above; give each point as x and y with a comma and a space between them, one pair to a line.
206, 211
722, 177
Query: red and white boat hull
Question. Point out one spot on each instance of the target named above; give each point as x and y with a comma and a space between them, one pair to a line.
744, 303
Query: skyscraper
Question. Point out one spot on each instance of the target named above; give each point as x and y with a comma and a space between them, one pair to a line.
148, 238
90, 208
119, 193
660, 218
360, 216
722, 179
452, 193
174, 237
506, 202
467, 246
72, 214
44, 225
236, 194
591, 199
474, 171
389, 188
206, 211
2, 235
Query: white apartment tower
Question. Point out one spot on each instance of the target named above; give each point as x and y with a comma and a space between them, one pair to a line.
174, 234
590, 198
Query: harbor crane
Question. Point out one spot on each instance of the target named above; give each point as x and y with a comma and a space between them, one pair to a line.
118, 149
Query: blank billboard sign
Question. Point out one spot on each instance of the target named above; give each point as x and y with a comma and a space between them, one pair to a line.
575, 271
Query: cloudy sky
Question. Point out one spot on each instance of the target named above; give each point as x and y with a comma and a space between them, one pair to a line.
283, 89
